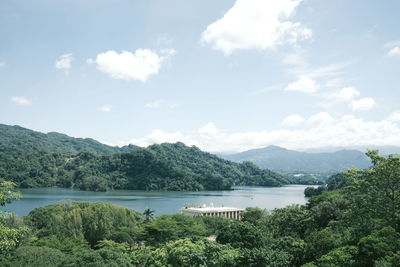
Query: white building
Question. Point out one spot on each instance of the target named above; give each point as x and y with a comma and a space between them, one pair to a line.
227, 212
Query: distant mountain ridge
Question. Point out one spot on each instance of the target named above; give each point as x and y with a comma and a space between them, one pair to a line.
383, 150
34, 159
290, 161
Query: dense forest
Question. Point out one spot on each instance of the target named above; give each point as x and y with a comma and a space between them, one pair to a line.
354, 221
32, 159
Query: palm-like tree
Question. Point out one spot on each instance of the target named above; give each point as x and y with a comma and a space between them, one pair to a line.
148, 215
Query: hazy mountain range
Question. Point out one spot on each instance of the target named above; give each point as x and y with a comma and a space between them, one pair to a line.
291, 161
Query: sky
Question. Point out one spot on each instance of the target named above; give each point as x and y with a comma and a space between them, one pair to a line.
226, 75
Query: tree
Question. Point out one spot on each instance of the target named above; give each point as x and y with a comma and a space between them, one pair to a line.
375, 196
292, 221
10, 238
172, 227
148, 215
8, 193
383, 186
379, 244
343, 256
31, 256
240, 235
259, 257
253, 215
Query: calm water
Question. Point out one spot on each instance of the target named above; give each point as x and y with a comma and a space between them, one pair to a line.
164, 202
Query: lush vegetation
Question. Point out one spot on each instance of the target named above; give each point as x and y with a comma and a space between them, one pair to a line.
32, 159
16, 138
354, 221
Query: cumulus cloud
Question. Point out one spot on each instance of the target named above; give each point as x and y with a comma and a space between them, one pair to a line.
303, 84
320, 130
64, 62
321, 118
256, 24
347, 94
20, 100
362, 104
139, 65
105, 108
292, 120
160, 103
395, 51
394, 116
209, 128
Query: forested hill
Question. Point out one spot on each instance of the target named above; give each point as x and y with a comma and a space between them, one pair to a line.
290, 161
32, 159
16, 138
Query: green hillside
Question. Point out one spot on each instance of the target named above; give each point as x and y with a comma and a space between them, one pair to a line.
33, 159
16, 138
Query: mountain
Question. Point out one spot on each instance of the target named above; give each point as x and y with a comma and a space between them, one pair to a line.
290, 161
33, 159
383, 150
16, 138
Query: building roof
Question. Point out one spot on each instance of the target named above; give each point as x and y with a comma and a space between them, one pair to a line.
210, 209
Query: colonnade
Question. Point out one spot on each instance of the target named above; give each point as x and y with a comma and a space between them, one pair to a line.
226, 214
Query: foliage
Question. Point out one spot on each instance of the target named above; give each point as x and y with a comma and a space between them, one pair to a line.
32, 159
172, 227
8, 193
11, 234
240, 235
32, 256
353, 223
343, 256
314, 191
148, 215
91, 221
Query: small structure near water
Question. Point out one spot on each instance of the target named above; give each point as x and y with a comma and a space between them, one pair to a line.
227, 212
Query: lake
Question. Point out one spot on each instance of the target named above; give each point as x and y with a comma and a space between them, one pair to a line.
163, 202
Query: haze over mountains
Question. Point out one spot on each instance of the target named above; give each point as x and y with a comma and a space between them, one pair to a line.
291, 161
23, 146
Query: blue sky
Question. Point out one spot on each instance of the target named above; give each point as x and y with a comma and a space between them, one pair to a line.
225, 75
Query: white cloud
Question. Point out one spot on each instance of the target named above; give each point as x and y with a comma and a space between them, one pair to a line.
297, 58
323, 130
395, 51
292, 120
321, 118
2, 64
140, 65
164, 40
160, 103
105, 108
256, 24
209, 128
346, 94
20, 100
362, 104
64, 62
394, 116
303, 84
